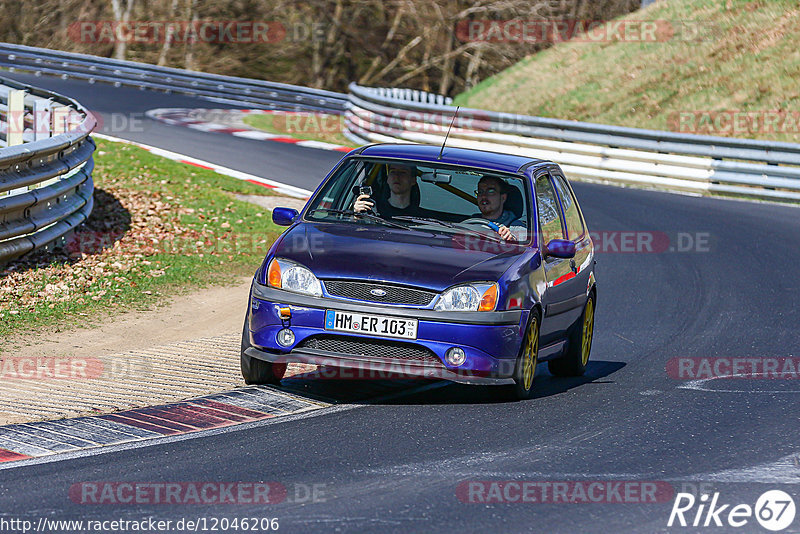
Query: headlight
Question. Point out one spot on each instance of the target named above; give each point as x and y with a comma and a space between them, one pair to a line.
469, 297
285, 274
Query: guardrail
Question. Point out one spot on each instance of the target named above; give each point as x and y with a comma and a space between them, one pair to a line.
590, 152
229, 89
46, 164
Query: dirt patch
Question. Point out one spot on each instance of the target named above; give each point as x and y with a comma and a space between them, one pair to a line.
272, 202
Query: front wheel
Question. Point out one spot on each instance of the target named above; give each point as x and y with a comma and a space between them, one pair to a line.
255, 371
579, 345
525, 369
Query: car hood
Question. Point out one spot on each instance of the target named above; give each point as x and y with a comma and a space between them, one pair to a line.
429, 259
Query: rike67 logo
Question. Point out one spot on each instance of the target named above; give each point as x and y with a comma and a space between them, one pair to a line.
774, 510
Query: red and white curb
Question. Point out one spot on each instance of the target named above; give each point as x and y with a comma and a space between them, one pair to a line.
278, 187
193, 118
245, 405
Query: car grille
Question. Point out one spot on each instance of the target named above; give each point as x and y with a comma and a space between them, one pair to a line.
393, 294
376, 348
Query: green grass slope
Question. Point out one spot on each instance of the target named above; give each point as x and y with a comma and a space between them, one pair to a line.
748, 61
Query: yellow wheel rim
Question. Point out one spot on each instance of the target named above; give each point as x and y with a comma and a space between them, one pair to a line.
530, 355
588, 330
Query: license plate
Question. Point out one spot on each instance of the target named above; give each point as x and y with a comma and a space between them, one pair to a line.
374, 325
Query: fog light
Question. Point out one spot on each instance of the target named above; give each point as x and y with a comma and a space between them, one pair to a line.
285, 337
455, 356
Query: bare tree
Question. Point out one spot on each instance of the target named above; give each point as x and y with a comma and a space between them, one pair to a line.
193, 18
169, 36
328, 44
122, 15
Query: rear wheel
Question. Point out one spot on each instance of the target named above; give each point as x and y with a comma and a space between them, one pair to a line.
525, 369
255, 371
579, 345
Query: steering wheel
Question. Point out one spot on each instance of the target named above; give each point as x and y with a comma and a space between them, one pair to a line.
482, 222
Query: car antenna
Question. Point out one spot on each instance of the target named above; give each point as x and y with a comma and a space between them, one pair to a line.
448, 131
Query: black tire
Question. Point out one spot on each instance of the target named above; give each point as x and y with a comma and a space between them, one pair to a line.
528, 359
255, 371
579, 344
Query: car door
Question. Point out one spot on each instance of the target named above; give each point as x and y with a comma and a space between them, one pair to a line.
556, 299
582, 264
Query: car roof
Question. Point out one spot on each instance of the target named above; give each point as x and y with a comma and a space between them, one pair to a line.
494, 161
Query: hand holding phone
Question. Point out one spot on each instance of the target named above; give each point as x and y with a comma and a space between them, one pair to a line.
363, 202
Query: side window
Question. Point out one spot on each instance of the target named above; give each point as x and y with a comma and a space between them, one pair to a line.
547, 206
572, 215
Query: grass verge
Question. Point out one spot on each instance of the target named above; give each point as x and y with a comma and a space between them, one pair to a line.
159, 227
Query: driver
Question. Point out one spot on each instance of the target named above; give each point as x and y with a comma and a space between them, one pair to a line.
491, 196
400, 179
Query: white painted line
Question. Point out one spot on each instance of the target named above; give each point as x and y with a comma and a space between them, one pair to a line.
208, 126
785, 470
701, 385
261, 136
318, 144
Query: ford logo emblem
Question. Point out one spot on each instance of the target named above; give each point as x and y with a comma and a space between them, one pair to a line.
377, 292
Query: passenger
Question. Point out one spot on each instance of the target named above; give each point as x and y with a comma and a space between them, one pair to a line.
403, 198
491, 195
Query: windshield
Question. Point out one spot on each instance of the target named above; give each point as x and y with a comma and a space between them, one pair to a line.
452, 199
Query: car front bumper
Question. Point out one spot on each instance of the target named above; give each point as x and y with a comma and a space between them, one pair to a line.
490, 340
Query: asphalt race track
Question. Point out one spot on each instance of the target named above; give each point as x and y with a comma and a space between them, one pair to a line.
122, 110
394, 464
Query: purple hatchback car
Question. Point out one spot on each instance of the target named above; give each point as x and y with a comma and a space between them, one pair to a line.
464, 265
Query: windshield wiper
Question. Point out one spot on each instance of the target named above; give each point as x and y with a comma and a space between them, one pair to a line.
425, 219
369, 216
331, 210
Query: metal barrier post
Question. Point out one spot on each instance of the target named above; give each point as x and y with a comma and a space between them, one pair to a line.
60, 116
15, 118
41, 119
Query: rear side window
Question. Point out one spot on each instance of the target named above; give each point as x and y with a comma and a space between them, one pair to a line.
572, 215
547, 206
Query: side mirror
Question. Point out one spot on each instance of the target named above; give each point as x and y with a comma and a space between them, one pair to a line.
284, 216
560, 248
